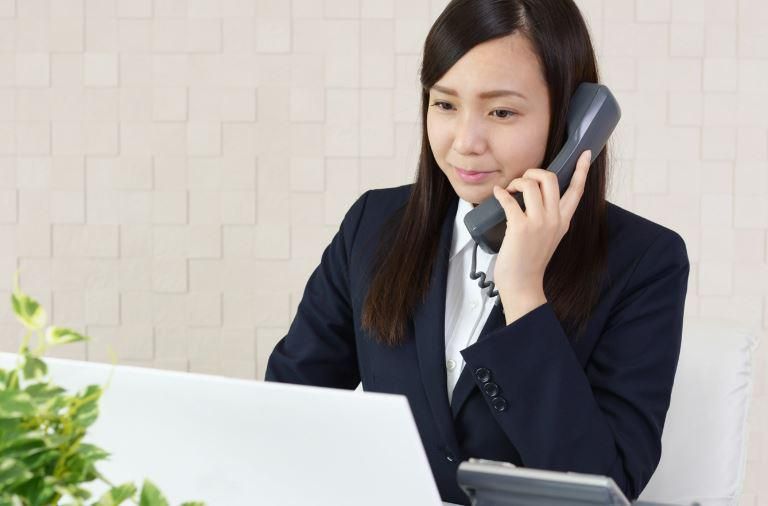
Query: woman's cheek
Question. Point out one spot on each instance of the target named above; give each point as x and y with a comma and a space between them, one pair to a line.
438, 130
440, 145
433, 133
513, 152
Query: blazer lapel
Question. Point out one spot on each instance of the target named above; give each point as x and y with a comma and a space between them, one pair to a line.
429, 332
466, 383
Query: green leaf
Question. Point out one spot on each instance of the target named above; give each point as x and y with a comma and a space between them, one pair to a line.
92, 453
74, 492
10, 429
12, 473
34, 368
15, 403
38, 490
62, 335
12, 381
76, 469
79, 493
151, 495
43, 392
80, 466
87, 412
11, 500
56, 404
116, 495
23, 446
43, 458
193, 503
58, 440
27, 310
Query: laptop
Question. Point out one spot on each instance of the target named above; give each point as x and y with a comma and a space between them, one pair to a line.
234, 442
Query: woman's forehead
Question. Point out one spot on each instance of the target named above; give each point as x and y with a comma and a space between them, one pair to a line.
506, 63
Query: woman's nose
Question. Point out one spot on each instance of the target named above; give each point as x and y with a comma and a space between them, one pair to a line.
470, 135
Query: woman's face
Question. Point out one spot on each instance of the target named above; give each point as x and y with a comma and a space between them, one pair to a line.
501, 135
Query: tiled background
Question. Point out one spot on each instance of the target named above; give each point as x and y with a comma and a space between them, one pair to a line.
171, 170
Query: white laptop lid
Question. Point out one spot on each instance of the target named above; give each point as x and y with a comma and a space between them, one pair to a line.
235, 442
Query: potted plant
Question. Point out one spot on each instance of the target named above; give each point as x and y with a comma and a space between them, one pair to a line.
44, 458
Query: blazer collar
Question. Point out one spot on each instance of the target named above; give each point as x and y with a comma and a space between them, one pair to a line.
429, 332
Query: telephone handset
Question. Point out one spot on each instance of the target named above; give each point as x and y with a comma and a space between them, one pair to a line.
593, 113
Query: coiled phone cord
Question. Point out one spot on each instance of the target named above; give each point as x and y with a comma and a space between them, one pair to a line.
473, 274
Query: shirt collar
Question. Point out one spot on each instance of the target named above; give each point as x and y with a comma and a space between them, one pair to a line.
461, 236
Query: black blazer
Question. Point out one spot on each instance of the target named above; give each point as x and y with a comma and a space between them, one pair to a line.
527, 394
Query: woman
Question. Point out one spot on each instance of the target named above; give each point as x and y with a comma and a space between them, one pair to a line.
573, 371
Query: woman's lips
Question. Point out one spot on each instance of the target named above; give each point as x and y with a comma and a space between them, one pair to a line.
473, 176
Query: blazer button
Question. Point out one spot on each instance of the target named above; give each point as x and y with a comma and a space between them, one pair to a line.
492, 389
483, 374
499, 404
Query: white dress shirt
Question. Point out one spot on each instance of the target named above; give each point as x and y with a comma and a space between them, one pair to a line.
467, 306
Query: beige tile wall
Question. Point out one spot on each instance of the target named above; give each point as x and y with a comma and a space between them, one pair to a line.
171, 170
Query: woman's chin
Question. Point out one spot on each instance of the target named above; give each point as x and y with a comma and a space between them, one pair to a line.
474, 193
475, 197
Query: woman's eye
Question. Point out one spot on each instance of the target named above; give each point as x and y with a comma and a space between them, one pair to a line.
438, 104
507, 114
504, 113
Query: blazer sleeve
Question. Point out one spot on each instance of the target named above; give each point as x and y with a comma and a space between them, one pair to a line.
320, 348
605, 418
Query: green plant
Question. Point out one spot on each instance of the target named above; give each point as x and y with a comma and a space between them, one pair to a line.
43, 458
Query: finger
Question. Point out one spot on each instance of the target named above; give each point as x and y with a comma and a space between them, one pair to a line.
529, 187
511, 208
550, 191
570, 199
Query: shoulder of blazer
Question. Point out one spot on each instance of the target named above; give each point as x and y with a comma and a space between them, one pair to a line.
380, 204
624, 225
366, 215
633, 239
385, 201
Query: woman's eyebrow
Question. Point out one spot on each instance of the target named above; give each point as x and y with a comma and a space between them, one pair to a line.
485, 94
